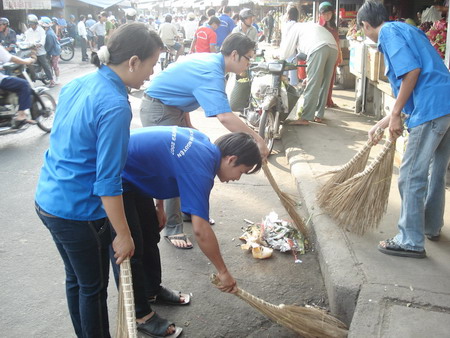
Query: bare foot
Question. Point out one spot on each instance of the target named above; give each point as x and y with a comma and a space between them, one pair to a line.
299, 123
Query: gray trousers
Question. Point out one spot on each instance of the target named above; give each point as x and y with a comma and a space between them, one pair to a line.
320, 67
155, 113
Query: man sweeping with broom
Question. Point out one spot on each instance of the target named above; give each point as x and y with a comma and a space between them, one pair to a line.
421, 84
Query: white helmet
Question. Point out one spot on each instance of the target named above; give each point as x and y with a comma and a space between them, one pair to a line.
31, 18
191, 16
130, 12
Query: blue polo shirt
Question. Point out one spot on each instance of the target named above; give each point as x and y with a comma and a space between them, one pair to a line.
88, 147
406, 48
226, 26
197, 80
168, 162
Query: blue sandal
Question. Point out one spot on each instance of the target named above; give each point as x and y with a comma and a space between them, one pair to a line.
389, 247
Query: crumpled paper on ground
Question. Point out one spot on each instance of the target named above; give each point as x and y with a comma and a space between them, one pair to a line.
273, 233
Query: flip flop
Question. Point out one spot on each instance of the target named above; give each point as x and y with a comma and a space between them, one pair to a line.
20, 123
389, 247
182, 237
156, 327
168, 296
319, 120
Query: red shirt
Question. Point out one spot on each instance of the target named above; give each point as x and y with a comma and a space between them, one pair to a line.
205, 36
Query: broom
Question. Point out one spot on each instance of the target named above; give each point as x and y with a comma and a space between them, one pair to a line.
126, 315
359, 203
308, 322
287, 201
353, 167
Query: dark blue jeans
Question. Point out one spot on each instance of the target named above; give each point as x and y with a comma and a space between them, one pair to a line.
19, 86
83, 246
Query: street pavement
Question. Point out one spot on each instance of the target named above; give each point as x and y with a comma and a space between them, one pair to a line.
377, 294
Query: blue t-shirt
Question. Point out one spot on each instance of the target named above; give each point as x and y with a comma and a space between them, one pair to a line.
198, 80
406, 48
52, 46
88, 147
168, 162
226, 26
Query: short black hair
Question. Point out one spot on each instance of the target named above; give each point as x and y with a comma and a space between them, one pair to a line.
214, 20
293, 14
244, 147
210, 12
238, 42
82, 17
373, 12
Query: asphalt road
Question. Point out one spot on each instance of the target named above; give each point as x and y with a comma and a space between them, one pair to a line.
32, 299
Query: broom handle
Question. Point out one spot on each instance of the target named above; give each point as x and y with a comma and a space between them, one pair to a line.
386, 149
360, 154
244, 295
126, 281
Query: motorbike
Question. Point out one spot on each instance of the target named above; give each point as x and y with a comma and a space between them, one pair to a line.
35, 71
42, 108
271, 98
67, 48
167, 56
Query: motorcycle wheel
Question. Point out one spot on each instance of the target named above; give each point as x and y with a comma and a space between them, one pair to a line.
43, 111
266, 128
67, 53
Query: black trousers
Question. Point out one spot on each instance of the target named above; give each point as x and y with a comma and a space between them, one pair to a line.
146, 262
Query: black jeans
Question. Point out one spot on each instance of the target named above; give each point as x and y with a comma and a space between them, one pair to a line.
43, 61
146, 262
83, 44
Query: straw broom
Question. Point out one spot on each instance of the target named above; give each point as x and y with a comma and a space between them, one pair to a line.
353, 167
308, 322
287, 201
359, 203
126, 315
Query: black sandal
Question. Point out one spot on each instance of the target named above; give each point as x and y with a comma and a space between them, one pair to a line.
168, 296
156, 327
389, 247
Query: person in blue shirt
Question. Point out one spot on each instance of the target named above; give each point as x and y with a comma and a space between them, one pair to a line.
79, 192
226, 26
51, 46
170, 161
421, 84
197, 81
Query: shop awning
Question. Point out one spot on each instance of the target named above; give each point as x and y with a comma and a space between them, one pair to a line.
101, 3
27, 4
57, 3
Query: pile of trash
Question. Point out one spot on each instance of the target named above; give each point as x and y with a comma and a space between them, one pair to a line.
272, 233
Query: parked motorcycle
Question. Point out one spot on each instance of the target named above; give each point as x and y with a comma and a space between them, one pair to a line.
167, 56
271, 98
67, 48
42, 109
35, 71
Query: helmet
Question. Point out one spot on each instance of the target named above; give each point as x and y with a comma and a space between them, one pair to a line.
72, 16
191, 16
245, 14
4, 21
89, 16
31, 18
130, 12
55, 19
45, 21
111, 18
325, 7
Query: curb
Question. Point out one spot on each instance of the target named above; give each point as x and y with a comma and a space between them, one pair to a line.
342, 278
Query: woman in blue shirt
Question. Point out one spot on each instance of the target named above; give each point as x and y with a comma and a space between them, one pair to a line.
79, 193
52, 47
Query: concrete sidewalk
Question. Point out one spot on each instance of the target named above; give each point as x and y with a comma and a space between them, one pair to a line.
379, 295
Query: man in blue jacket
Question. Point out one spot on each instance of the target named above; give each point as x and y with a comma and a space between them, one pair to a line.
421, 84
226, 26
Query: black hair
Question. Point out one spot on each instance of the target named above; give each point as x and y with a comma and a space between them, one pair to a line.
226, 9
168, 18
82, 17
214, 20
244, 147
129, 40
210, 12
373, 12
202, 20
235, 16
238, 42
104, 14
293, 14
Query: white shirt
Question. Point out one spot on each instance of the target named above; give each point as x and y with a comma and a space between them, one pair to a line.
190, 27
4, 57
36, 36
306, 37
82, 30
167, 32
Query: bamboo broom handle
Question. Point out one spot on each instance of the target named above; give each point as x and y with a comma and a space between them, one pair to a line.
128, 297
370, 168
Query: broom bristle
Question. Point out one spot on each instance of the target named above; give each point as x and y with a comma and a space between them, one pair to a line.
359, 203
288, 202
308, 322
